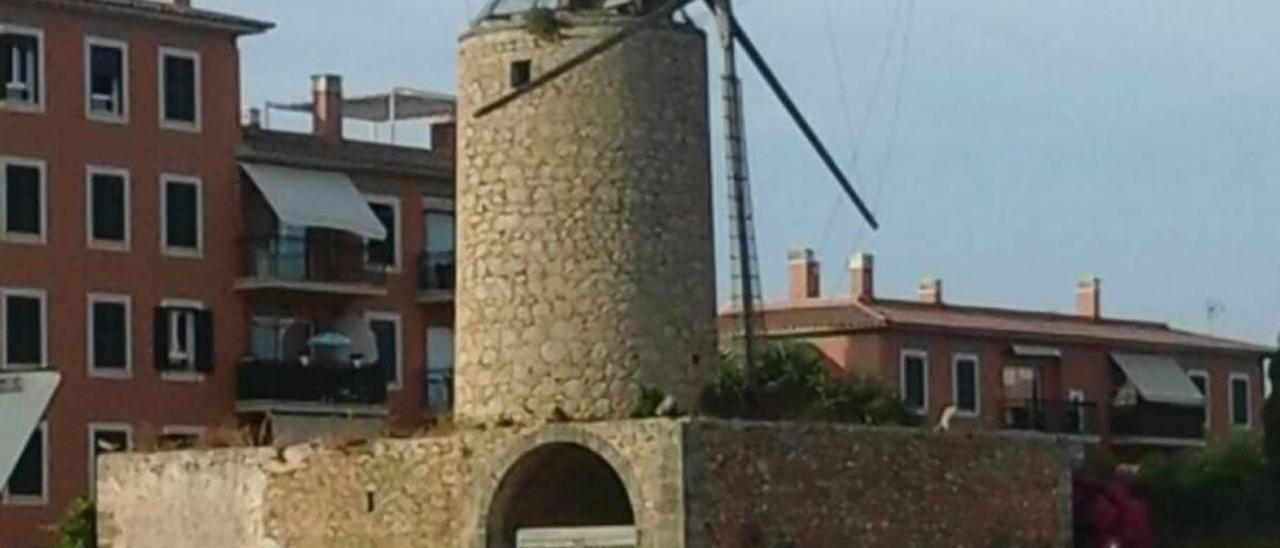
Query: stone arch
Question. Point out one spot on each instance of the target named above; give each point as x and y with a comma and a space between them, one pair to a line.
579, 480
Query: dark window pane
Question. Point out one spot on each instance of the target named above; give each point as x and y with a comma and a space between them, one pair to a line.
1239, 401
181, 215
108, 207
22, 199
110, 344
20, 82
27, 479
179, 89
966, 385
109, 441
383, 252
178, 441
23, 331
913, 379
106, 79
385, 334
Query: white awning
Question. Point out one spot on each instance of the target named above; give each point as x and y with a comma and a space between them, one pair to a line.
23, 400
1159, 379
316, 199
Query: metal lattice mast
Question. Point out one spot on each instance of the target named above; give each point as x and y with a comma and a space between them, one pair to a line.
746, 276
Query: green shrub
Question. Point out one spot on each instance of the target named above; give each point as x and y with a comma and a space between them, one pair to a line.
77, 529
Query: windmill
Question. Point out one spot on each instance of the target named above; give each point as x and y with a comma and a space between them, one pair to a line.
649, 13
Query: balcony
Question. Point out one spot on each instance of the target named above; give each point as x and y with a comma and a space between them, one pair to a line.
1050, 417
324, 262
1149, 423
437, 392
436, 276
263, 385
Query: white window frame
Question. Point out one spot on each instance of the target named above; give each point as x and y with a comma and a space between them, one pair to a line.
394, 317
43, 296
1208, 404
189, 374
396, 231
19, 237
902, 378
108, 245
122, 102
179, 125
38, 106
109, 298
93, 429
25, 500
1248, 401
165, 248
977, 383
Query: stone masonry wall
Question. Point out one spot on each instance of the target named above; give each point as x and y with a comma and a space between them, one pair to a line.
430, 492
584, 225
822, 486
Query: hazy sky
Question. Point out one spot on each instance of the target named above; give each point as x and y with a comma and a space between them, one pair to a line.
1034, 143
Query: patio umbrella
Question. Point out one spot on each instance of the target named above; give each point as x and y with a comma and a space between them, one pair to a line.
330, 339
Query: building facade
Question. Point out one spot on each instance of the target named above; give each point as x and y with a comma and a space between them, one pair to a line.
143, 257
1134, 385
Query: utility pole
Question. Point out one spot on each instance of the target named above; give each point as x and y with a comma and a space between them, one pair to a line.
739, 189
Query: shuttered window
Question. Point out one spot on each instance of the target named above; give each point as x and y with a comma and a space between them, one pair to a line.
21, 73
106, 79
181, 87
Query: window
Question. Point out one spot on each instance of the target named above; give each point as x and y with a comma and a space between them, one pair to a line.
1077, 413
183, 334
22, 202
108, 208
180, 437
386, 333
109, 348
1241, 410
180, 89
521, 73
965, 384
1201, 380
29, 482
439, 387
182, 218
438, 257
21, 67
105, 439
385, 253
106, 79
25, 329
914, 381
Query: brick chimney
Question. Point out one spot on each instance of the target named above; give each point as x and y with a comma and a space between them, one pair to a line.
444, 137
930, 291
1089, 298
802, 274
326, 109
862, 273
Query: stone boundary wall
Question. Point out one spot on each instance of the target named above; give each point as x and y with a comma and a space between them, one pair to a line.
775, 485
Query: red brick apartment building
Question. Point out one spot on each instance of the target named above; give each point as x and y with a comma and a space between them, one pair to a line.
158, 255
1133, 385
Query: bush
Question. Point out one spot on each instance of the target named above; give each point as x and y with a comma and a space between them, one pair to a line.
1271, 421
791, 382
77, 529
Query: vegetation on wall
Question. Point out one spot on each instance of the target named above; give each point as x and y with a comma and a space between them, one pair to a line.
792, 383
1221, 494
543, 23
77, 529
1271, 421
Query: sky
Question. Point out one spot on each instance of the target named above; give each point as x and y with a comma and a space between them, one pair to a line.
1008, 147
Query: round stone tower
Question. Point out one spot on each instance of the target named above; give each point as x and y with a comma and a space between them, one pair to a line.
584, 223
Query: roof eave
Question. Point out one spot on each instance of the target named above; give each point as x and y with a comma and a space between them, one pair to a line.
239, 26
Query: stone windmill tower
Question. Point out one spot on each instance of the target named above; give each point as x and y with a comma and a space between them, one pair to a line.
584, 219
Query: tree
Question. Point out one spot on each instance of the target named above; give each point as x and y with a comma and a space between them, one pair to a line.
1271, 421
792, 382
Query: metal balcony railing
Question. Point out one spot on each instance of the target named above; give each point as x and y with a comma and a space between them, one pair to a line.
436, 270
314, 383
323, 258
1054, 417
437, 391
1149, 420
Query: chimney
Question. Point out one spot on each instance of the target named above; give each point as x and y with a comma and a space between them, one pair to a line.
1089, 298
444, 136
326, 107
930, 291
252, 119
862, 273
802, 273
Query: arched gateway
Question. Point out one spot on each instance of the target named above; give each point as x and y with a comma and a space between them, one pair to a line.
560, 494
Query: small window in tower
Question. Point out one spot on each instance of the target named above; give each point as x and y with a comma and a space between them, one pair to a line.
521, 73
